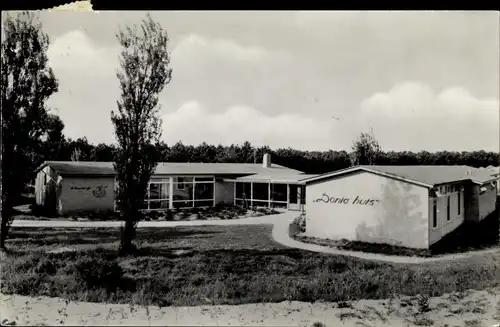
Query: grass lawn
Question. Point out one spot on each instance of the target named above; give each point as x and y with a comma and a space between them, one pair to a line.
215, 265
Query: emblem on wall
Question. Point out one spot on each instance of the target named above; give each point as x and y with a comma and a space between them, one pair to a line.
100, 191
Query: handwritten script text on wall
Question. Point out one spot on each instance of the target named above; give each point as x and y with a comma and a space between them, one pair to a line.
325, 198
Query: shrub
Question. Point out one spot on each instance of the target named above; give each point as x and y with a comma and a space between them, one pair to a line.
169, 215
98, 272
45, 266
300, 221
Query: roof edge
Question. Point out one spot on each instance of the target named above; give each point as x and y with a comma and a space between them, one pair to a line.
366, 169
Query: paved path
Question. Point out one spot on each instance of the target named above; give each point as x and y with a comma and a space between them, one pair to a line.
159, 224
280, 234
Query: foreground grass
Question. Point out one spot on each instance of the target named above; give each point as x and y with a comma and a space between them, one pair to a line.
216, 265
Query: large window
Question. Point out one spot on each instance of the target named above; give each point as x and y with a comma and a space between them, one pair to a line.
279, 194
243, 194
302, 194
260, 194
448, 209
193, 192
459, 202
158, 195
434, 214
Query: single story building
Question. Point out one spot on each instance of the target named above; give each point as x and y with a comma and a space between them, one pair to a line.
411, 206
75, 186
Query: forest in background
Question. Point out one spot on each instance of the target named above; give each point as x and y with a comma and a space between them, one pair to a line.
312, 162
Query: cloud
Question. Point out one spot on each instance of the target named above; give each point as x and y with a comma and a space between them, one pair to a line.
225, 91
195, 46
88, 87
412, 114
193, 123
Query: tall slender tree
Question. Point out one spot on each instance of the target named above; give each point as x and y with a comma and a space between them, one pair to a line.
27, 82
144, 73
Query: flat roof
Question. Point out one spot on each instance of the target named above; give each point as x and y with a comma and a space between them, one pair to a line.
100, 168
427, 176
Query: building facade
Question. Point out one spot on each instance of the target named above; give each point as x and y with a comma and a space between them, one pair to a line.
67, 187
410, 206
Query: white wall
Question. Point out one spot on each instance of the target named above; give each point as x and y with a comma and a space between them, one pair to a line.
87, 194
369, 208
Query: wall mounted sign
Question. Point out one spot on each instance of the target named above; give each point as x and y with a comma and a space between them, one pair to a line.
325, 198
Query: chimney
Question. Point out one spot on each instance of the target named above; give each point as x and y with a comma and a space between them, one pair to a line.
266, 161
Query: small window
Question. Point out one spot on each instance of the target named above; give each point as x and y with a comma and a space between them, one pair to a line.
434, 214
448, 208
482, 189
459, 201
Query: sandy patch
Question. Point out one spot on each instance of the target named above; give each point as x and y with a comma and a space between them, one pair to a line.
478, 308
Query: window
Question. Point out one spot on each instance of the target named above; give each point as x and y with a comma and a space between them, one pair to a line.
434, 214
182, 181
448, 208
261, 192
158, 196
459, 198
279, 192
194, 192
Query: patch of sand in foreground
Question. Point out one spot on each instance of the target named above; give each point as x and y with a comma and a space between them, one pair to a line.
476, 308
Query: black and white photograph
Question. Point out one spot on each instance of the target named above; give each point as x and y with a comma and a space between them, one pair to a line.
250, 168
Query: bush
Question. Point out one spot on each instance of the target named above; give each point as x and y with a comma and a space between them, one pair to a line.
169, 215
46, 266
98, 272
300, 221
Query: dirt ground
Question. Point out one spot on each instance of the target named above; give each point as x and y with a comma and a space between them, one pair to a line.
475, 308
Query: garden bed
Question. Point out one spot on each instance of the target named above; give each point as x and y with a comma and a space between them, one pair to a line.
385, 249
217, 212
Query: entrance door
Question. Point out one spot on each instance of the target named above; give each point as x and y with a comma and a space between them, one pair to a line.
293, 198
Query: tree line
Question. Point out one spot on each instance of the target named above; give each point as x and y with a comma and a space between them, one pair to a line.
312, 162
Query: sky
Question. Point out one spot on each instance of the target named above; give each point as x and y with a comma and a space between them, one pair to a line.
306, 80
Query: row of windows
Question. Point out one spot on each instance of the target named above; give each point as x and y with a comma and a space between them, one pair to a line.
447, 189
186, 192
269, 192
448, 209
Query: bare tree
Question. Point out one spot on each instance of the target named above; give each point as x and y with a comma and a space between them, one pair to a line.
27, 83
144, 73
